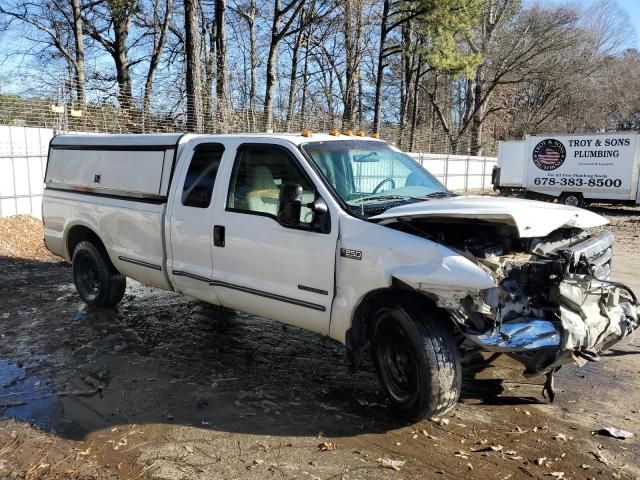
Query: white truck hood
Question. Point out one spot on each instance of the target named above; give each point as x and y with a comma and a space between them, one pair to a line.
531, 218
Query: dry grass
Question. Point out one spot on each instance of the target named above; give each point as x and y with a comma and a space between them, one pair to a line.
22, 237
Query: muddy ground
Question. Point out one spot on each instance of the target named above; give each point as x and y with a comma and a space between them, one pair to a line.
169, 388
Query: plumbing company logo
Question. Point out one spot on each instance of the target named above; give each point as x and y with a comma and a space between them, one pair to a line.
549, 154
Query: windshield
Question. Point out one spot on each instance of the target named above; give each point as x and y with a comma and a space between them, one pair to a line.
371, 176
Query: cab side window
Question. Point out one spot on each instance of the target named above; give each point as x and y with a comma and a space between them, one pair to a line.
258, 174
201, 176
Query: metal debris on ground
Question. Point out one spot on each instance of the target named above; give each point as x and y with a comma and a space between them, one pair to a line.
613, 432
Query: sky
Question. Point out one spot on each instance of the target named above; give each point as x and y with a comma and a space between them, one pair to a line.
632, 7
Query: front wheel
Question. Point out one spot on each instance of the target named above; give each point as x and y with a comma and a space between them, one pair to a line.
98, 283
416, 360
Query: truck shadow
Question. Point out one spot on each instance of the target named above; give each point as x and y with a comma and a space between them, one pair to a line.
165, 358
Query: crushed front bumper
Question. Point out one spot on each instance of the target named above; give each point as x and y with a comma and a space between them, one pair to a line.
590, 313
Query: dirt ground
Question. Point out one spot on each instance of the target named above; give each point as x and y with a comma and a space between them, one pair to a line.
169, 388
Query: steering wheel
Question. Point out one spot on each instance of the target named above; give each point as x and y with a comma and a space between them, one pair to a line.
386, 180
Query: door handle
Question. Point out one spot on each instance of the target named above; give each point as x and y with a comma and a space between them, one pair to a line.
218, 235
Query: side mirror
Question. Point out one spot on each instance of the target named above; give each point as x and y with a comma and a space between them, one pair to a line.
290, 204
321, 217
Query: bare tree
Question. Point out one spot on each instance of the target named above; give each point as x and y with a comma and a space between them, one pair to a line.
284, 17
193, 66
159, 29
58, 30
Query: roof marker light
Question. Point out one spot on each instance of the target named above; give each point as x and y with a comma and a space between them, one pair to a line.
348, 132
360, 133
335, 132
307, 133
375, 135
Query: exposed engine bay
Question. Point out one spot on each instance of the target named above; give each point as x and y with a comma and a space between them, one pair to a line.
554, 302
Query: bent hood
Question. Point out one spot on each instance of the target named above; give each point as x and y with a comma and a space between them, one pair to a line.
531, 218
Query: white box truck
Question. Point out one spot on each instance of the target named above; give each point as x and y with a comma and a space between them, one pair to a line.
572, 168
345, 236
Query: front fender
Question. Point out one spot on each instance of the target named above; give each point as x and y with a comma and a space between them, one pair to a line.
385, 254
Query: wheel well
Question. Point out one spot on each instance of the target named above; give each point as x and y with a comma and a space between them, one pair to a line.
357, 341
80, 233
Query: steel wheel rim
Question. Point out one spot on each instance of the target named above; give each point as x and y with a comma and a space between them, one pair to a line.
88, 276
396, 361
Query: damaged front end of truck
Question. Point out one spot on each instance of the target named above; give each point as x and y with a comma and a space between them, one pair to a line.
553, 302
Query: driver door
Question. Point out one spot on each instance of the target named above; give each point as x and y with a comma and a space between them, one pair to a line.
261, 266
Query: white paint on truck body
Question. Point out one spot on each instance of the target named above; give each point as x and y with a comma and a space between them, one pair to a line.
300, 277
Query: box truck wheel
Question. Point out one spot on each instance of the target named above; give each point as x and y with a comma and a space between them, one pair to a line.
98, 282
416, 360
573, 199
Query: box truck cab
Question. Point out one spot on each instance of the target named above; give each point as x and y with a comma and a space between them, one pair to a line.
573, 168
344, 236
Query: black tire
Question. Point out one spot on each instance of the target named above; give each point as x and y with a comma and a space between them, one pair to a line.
573, 199
415, 340
97, 281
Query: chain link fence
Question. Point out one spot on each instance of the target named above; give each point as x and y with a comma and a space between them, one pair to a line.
41, 100
23, 157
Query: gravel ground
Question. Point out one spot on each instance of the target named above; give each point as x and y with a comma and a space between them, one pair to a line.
169, 388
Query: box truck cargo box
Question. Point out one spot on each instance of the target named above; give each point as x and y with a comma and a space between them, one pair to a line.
573, 168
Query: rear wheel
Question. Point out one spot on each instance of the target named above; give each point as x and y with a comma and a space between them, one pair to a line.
573, 199
98, 283
416, 360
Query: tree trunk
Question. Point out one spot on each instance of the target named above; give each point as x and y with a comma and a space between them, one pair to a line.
291, 102
416, 103
350, 53
381, 65
475, 143
270, 85
221, 59
192, 60
208, 53
305, 77
79, 42
121, 60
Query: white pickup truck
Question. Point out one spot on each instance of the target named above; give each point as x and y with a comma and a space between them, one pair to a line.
342, 235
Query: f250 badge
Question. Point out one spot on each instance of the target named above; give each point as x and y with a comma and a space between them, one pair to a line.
350, 253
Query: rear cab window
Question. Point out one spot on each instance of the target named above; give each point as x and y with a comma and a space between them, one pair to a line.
201, 175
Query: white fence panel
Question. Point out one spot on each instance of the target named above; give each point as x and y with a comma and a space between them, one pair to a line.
23, 159
459, 172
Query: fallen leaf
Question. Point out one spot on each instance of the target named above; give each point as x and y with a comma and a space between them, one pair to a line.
188, 448
540, 461
556, 474
327, 446
560, 436
585, 466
